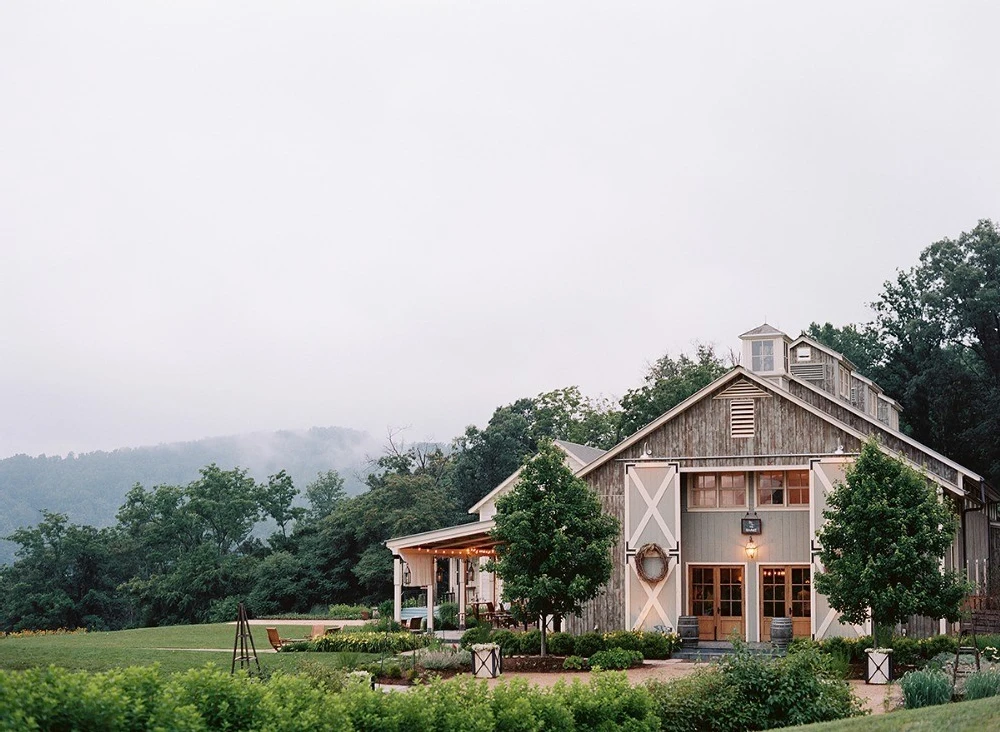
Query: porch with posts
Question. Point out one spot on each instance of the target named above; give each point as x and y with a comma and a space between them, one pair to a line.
415, 558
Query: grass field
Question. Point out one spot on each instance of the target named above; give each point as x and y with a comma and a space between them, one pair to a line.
982, 714
169, 646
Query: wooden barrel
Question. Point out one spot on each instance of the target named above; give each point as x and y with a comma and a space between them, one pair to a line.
687, 628
781, 632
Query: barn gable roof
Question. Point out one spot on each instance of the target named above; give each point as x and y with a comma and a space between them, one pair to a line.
738, 374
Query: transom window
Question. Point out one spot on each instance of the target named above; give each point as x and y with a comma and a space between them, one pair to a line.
718, 490
763, 355
783, 488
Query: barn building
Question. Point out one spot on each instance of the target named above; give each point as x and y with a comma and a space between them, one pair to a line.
720, 500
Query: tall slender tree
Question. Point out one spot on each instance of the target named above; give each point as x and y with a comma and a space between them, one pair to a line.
554, 550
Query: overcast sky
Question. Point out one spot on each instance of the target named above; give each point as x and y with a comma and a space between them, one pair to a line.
218, 218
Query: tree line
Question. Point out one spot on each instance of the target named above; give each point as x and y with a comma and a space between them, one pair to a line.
186, 553
189, 553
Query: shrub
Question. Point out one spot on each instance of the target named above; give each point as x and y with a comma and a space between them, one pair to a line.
365, 642
558, 644
608, 702
701, 701
616, 658
518, 706
447, 617
223, 611
509, 641
587, 644
575, 663
745, 691
531, 643
930, 647
628, 639
479, 634
445, 659
659, 645
349, 612
925, 688
220, 703
982, 684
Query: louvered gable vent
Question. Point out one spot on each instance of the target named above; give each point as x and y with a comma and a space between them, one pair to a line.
742, 396
742, 389
809, 371
741, 418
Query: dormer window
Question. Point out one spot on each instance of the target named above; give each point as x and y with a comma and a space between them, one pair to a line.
763, 356
803, 353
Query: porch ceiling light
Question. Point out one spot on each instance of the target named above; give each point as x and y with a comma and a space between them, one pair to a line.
751, 549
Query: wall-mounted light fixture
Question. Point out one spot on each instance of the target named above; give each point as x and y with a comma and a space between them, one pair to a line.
751, 549
406, 574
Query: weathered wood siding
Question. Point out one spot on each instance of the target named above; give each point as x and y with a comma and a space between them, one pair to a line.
785, 435
892, 441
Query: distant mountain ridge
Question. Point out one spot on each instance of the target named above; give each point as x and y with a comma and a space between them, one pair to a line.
91, 487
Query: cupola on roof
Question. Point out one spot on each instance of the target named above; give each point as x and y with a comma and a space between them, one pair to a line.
763, 330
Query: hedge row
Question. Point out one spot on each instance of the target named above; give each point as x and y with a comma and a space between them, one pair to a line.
741, 693
650, 645
210, 699
905, 651
362, 642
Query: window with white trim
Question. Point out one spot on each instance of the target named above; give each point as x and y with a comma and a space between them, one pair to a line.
717, 490
782, 488
762, 353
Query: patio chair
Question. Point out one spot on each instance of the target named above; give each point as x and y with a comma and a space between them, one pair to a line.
414, 625
277, 642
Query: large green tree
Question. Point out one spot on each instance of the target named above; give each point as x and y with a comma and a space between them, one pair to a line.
934, 346
885, 534
668, 382
555, 542
65, 576
485, 457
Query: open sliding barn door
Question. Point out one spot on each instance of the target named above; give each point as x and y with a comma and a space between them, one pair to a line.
653, 575
825, 474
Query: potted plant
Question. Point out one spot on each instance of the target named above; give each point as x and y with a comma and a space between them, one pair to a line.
487, 660
879, 665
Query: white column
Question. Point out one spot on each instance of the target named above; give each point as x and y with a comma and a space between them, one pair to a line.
461, 593
397, 589
430, 602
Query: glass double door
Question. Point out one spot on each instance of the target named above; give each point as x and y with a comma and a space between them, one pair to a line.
786, 592
716, 598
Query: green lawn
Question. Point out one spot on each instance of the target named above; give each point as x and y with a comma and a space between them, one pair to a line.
982, 714
146, 646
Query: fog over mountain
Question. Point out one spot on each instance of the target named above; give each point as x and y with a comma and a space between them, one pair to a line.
90, 487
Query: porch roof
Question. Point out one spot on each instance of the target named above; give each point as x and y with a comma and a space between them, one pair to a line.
464, 540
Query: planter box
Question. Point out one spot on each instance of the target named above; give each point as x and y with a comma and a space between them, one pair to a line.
487, 663
879, 666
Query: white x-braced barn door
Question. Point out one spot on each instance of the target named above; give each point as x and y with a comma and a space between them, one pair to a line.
652, 517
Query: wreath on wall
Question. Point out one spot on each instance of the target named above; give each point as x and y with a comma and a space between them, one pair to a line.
651, 563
